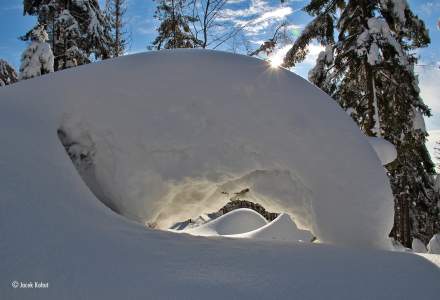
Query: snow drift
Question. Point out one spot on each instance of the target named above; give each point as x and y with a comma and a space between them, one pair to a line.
166, 133
237, 221
282, 229
246, 223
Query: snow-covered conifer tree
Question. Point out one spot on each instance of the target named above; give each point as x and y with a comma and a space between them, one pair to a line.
38, 58
369, 71
7, 73
115, 10
78, 30
174, 29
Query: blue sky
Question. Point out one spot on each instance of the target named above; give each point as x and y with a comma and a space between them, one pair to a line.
141, 27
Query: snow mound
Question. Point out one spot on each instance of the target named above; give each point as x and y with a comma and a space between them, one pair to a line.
434, 244
236, 221
282, 228
168, 137
386, 151
418, 246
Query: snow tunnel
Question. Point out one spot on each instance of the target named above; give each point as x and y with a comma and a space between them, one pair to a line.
158, 154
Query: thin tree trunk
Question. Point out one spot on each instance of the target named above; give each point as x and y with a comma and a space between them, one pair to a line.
173, 16
369, 77
118, 26
205, 24
371, 98
407, 224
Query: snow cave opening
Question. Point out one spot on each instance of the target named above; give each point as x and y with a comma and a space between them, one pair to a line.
270, 192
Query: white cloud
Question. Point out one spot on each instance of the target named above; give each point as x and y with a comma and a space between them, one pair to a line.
257, 42
256, 18
295, 26
235, 1
259, 24
275, 14
256, 7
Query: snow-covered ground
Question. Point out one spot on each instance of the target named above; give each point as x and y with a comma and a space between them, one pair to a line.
165, 134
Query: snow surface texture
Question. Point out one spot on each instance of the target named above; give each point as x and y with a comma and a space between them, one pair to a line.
237, 221
282, 228
53, 228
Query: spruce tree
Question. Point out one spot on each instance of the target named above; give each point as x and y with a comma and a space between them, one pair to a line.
38, 58
174, 29
78, 30
115, 11
369, 71
7, 73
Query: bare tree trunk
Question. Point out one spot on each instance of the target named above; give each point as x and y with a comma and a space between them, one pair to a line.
371, 99
115, 9
205, 24
117, 27
369, 78
173, 18
406, 223
53, 44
